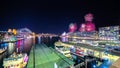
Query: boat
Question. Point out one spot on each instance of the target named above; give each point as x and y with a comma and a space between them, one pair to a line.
64, 50
16, 61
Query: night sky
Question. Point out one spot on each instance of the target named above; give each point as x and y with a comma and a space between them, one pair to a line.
54, 16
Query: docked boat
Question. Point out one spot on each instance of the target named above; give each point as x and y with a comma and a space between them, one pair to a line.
64, 50
16, 61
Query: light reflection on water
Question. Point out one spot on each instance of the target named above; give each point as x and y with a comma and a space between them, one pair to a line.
27, 45
11, 48
24, 45
20, 46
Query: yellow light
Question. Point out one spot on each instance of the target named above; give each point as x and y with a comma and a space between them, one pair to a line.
14, 31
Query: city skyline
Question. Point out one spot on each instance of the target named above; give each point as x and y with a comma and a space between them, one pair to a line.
55, 16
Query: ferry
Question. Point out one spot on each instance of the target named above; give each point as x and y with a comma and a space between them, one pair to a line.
64, 50
16, 61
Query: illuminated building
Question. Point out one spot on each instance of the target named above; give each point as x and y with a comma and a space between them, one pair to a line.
14, 31
64, 37
109, 33
9, 30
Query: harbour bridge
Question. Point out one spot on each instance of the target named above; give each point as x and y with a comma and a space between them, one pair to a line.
24, 32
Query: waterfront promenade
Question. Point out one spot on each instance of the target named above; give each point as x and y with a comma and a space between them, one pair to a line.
42, 56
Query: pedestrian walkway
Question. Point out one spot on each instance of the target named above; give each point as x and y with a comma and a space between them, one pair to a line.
45, 57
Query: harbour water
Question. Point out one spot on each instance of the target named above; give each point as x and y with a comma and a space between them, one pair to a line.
24, 46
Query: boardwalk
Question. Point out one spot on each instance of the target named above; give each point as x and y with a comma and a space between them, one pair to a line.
44, 57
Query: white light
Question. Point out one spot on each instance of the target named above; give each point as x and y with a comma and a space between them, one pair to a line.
94, 66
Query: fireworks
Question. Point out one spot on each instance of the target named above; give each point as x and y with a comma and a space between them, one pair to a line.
82, 27
87, 26
72, 27
90, 26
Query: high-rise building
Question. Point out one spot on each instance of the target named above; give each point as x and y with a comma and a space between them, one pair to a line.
109, 33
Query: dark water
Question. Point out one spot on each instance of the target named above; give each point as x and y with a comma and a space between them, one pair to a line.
47, 40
